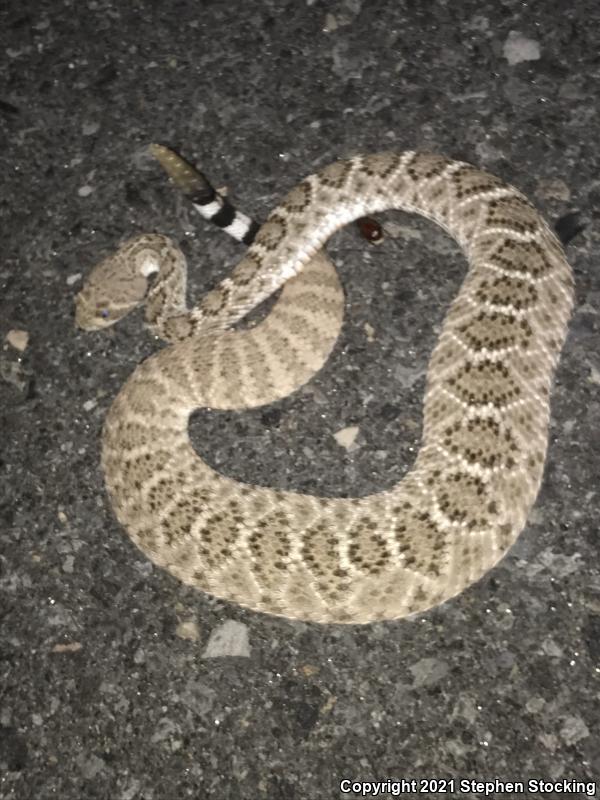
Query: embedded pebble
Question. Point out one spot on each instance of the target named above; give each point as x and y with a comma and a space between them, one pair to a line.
90, 128
428, 671
370, 331
346, 436
68, 565
594, 376
518, 48
188, 629
574, 729
229, 639
331, 24
132, 789
67, 647
12, 372
553, 189
17, 339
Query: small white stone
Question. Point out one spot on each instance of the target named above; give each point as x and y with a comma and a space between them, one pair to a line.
535, 704
518, 48
550, 741
397, 231
574, 729
594, 376
428, 671
331, 24
90, 128
17, 339
229, 639
346, 436
370, 331
188, 629
132, 790
67, 647
68, 564
550, 648
553, 189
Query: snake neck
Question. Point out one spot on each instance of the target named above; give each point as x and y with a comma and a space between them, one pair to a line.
166, 270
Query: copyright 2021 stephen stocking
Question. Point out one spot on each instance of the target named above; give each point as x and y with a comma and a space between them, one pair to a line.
455, 787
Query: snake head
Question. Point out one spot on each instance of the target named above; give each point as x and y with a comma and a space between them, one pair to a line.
96, 310
115, 286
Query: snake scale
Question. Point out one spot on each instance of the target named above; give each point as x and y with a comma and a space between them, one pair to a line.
486, 409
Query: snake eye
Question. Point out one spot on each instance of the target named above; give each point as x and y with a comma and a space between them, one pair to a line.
105, 314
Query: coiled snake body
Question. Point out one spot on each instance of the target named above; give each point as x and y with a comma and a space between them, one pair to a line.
486, 410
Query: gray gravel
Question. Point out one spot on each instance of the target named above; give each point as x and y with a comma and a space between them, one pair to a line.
117, 681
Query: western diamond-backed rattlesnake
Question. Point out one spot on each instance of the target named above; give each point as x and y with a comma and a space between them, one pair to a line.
486, 413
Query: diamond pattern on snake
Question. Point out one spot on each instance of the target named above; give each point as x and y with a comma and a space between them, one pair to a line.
461, 506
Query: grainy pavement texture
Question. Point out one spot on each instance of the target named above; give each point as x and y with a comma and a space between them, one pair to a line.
118, 682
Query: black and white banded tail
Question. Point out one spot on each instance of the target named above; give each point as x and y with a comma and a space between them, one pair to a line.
212, 205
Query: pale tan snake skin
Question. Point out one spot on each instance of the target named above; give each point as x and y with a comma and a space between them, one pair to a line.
486, 410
